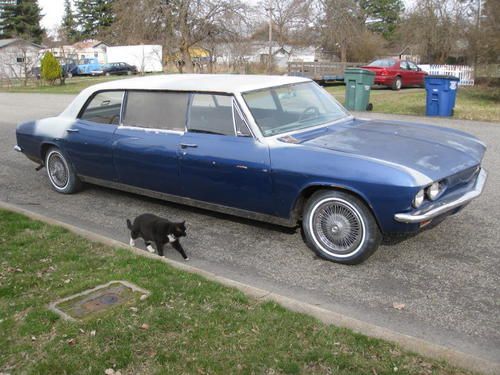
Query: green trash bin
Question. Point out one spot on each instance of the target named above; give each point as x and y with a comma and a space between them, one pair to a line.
357, 89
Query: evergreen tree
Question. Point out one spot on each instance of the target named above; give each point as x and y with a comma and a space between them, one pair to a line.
50, 69
382, 16
68, 25
94, 16
23, 21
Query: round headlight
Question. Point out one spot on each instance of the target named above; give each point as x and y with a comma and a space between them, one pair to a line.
433, 190
419, 199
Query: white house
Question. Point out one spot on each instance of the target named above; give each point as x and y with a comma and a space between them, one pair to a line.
17, 58
89, 48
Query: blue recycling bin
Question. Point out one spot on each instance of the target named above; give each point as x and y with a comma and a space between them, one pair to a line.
441, 95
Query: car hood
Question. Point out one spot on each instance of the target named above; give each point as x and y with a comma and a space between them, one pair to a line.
432, 151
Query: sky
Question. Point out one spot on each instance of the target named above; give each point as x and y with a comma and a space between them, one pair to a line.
53, 11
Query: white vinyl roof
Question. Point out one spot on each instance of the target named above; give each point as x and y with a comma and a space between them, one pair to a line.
223, 83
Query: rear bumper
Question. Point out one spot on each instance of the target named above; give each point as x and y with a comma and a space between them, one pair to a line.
445, 206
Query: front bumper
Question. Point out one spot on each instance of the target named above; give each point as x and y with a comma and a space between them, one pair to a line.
445, 206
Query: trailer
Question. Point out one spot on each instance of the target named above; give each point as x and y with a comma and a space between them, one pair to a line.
147, 58
321, 72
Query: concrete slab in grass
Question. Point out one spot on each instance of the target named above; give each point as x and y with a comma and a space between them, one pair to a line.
96, 300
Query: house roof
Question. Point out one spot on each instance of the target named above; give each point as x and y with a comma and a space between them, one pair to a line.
89, 43
221, 83
9, 41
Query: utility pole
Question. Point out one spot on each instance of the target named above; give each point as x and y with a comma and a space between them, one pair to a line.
270, 54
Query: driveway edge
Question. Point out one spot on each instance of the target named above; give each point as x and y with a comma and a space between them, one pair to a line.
411, 343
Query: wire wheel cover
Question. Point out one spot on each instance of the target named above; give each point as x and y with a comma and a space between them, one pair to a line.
338, 227
58, 170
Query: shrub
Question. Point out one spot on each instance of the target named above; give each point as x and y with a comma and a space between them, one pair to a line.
50, 69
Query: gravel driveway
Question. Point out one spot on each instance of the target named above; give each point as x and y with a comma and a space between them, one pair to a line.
447, 277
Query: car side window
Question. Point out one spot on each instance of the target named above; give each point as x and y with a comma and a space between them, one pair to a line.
412, 66
104, 108
404, 65
211, 114
156, 109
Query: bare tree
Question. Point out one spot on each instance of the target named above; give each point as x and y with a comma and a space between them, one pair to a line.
289, 18
435, 27
340, 25
195, 21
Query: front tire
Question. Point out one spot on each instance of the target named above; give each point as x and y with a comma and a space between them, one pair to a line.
340, 227
61, 174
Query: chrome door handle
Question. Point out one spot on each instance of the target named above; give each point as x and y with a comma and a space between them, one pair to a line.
186, 145
72, 130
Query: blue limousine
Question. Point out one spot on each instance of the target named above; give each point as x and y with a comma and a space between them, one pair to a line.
272, 148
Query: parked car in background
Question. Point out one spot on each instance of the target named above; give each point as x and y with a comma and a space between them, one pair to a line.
272, 148
396, 73
116, 68
86, 66
68, 69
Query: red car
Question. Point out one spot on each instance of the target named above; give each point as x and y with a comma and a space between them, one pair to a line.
396, 73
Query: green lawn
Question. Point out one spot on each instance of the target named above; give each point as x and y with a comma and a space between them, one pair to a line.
73, 85
195, 326
473, 103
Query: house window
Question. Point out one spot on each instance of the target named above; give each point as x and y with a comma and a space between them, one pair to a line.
20, 59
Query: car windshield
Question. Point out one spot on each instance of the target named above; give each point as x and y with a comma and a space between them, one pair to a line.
382, 63
292, 107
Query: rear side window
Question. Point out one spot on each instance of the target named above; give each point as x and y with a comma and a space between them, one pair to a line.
158, 110
211, 114
104, 108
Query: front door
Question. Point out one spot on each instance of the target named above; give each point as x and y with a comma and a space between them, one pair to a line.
220, 161
89, 140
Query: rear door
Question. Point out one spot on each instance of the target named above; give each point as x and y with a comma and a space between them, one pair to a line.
89, 141
146, 144
220, 161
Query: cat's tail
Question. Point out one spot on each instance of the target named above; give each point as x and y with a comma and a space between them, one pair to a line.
129, 224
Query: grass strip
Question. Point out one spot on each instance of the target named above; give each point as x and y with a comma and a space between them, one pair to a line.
188, 325
473, 103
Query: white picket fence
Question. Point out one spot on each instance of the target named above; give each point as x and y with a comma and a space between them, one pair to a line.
463, 72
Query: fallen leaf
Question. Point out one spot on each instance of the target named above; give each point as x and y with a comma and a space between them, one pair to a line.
143, 297
71, 342
67, 281
145, 326
109, 371
19, 270
134, 309
92, 333
398, 306
33, 338
81, 330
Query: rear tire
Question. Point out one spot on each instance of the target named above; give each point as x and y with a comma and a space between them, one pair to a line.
397, 83
340, 227
61, 173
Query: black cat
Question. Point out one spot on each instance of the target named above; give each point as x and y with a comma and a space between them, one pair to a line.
152, 228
